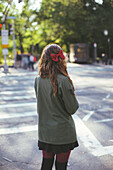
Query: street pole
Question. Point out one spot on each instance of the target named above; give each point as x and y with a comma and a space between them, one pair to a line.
32, 48
109, 46
5, 37
106, 56
14, 45
95, 52
5, 56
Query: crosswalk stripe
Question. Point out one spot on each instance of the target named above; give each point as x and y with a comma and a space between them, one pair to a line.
89, 140
7, 131
17, 115
27, 78
84, 134
17, 105
88, 115
104, 120
20, 74
17, 97
16, 88
17, 91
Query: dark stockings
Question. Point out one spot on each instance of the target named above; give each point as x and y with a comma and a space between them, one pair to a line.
47, 162
60, 162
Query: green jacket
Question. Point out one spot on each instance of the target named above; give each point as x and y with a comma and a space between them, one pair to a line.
55, 122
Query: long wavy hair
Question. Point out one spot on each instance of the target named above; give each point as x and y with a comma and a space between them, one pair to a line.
49, 68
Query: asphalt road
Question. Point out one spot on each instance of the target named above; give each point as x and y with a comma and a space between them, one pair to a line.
94, 119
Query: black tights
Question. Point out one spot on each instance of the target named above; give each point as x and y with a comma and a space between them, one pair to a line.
60, 162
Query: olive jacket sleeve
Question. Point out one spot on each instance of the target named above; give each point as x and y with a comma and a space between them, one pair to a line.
36, 85
68, 96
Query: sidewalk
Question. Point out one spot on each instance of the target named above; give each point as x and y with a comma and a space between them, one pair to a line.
14, 71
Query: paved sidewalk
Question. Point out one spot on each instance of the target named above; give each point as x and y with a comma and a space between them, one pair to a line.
14, 71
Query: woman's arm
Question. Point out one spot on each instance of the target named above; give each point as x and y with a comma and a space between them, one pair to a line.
68, 96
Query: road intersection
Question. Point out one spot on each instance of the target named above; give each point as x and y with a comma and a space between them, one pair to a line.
18, 115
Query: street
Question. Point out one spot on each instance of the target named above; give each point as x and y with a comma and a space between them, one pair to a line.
94, 119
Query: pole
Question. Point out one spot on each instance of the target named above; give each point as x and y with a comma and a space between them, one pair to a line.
109, 49
32, 47
14, 46
5, 56
5, 13
95, 52
32, 43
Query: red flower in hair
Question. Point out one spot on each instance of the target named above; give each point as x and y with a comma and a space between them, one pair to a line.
54, 57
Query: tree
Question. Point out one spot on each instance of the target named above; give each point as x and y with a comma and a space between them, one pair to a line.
73, 21
63, 21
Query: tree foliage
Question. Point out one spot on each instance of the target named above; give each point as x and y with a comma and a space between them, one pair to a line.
22, 25
63, 22
73, 21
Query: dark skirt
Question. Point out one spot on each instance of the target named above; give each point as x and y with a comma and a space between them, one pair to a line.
56, 149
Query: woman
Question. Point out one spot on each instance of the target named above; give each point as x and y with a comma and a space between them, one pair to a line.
56, 103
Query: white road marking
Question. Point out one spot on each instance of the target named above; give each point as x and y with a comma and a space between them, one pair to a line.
88, 115
107, 97
26, 78
84, 134
7, 159
17, 97
17, 105
15, 80
17, 115
79, 91
103, 151
19, 74
104, 120
7, 131
111, 140
17, 91
89, 140
105, 108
